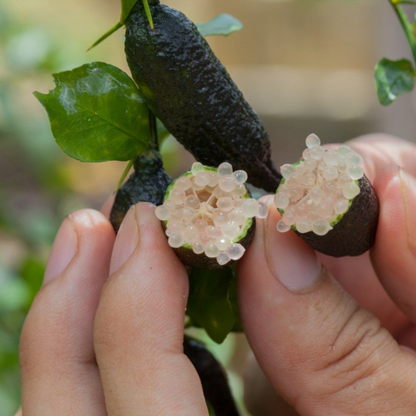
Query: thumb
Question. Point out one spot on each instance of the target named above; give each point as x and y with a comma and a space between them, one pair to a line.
320, 350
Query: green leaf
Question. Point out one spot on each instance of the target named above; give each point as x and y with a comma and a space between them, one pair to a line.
97, 114
393, 78
223, 24
162, 131
211, 411
32, 272
126, 6
210, 305
233, 302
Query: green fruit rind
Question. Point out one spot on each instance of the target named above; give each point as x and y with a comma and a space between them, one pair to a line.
353, 232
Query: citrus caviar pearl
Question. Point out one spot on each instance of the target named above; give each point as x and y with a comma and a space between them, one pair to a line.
183, 183
287, 170
202, 178
321, 227
282, 227
225, 204
198, 248
355, 171
162, 212
211, 250
225, 169
192, 201
197, 167
281, 200
317, 153
240, 176
312, 141
227, 183
304, 226
235, 251
350, 190
223, 259
250, 208
263, 211
223, 242
175, 240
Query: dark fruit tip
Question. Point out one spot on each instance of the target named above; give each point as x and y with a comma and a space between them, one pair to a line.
355, 233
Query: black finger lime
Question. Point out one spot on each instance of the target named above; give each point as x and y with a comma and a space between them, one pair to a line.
213, 378
208, 215
148, 183
354, 232
190, 91
328, 201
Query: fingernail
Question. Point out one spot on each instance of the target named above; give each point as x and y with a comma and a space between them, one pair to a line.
64, 248
126, 241
290, 259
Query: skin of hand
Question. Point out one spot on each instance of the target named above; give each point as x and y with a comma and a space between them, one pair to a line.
104, 334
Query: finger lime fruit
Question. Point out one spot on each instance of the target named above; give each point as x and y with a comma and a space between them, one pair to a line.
190, 91
148, 183
328, 201
208, 215
213, 378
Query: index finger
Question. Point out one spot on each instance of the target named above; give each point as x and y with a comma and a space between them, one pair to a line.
139, 325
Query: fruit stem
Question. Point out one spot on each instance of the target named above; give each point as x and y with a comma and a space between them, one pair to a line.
413, 2
124, 174
154, 141
106, 35
407, 26
148, 14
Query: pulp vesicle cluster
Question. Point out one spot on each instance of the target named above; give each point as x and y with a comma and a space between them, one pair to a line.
319, 188
208, 210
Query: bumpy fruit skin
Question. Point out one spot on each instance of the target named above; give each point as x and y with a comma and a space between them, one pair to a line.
189, 90
148, 183
213, 378
355, 232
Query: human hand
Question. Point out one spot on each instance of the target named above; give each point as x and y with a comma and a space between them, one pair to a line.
315, 347
93, 345
319, 347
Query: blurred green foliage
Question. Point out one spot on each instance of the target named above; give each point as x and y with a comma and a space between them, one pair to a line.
33, 189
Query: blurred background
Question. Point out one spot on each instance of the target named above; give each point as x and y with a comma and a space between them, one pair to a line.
304, 65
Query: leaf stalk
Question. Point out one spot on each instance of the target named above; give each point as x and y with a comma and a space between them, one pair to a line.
413, 2
404, 21
124, 174
148, 14
154, 140
106, 35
